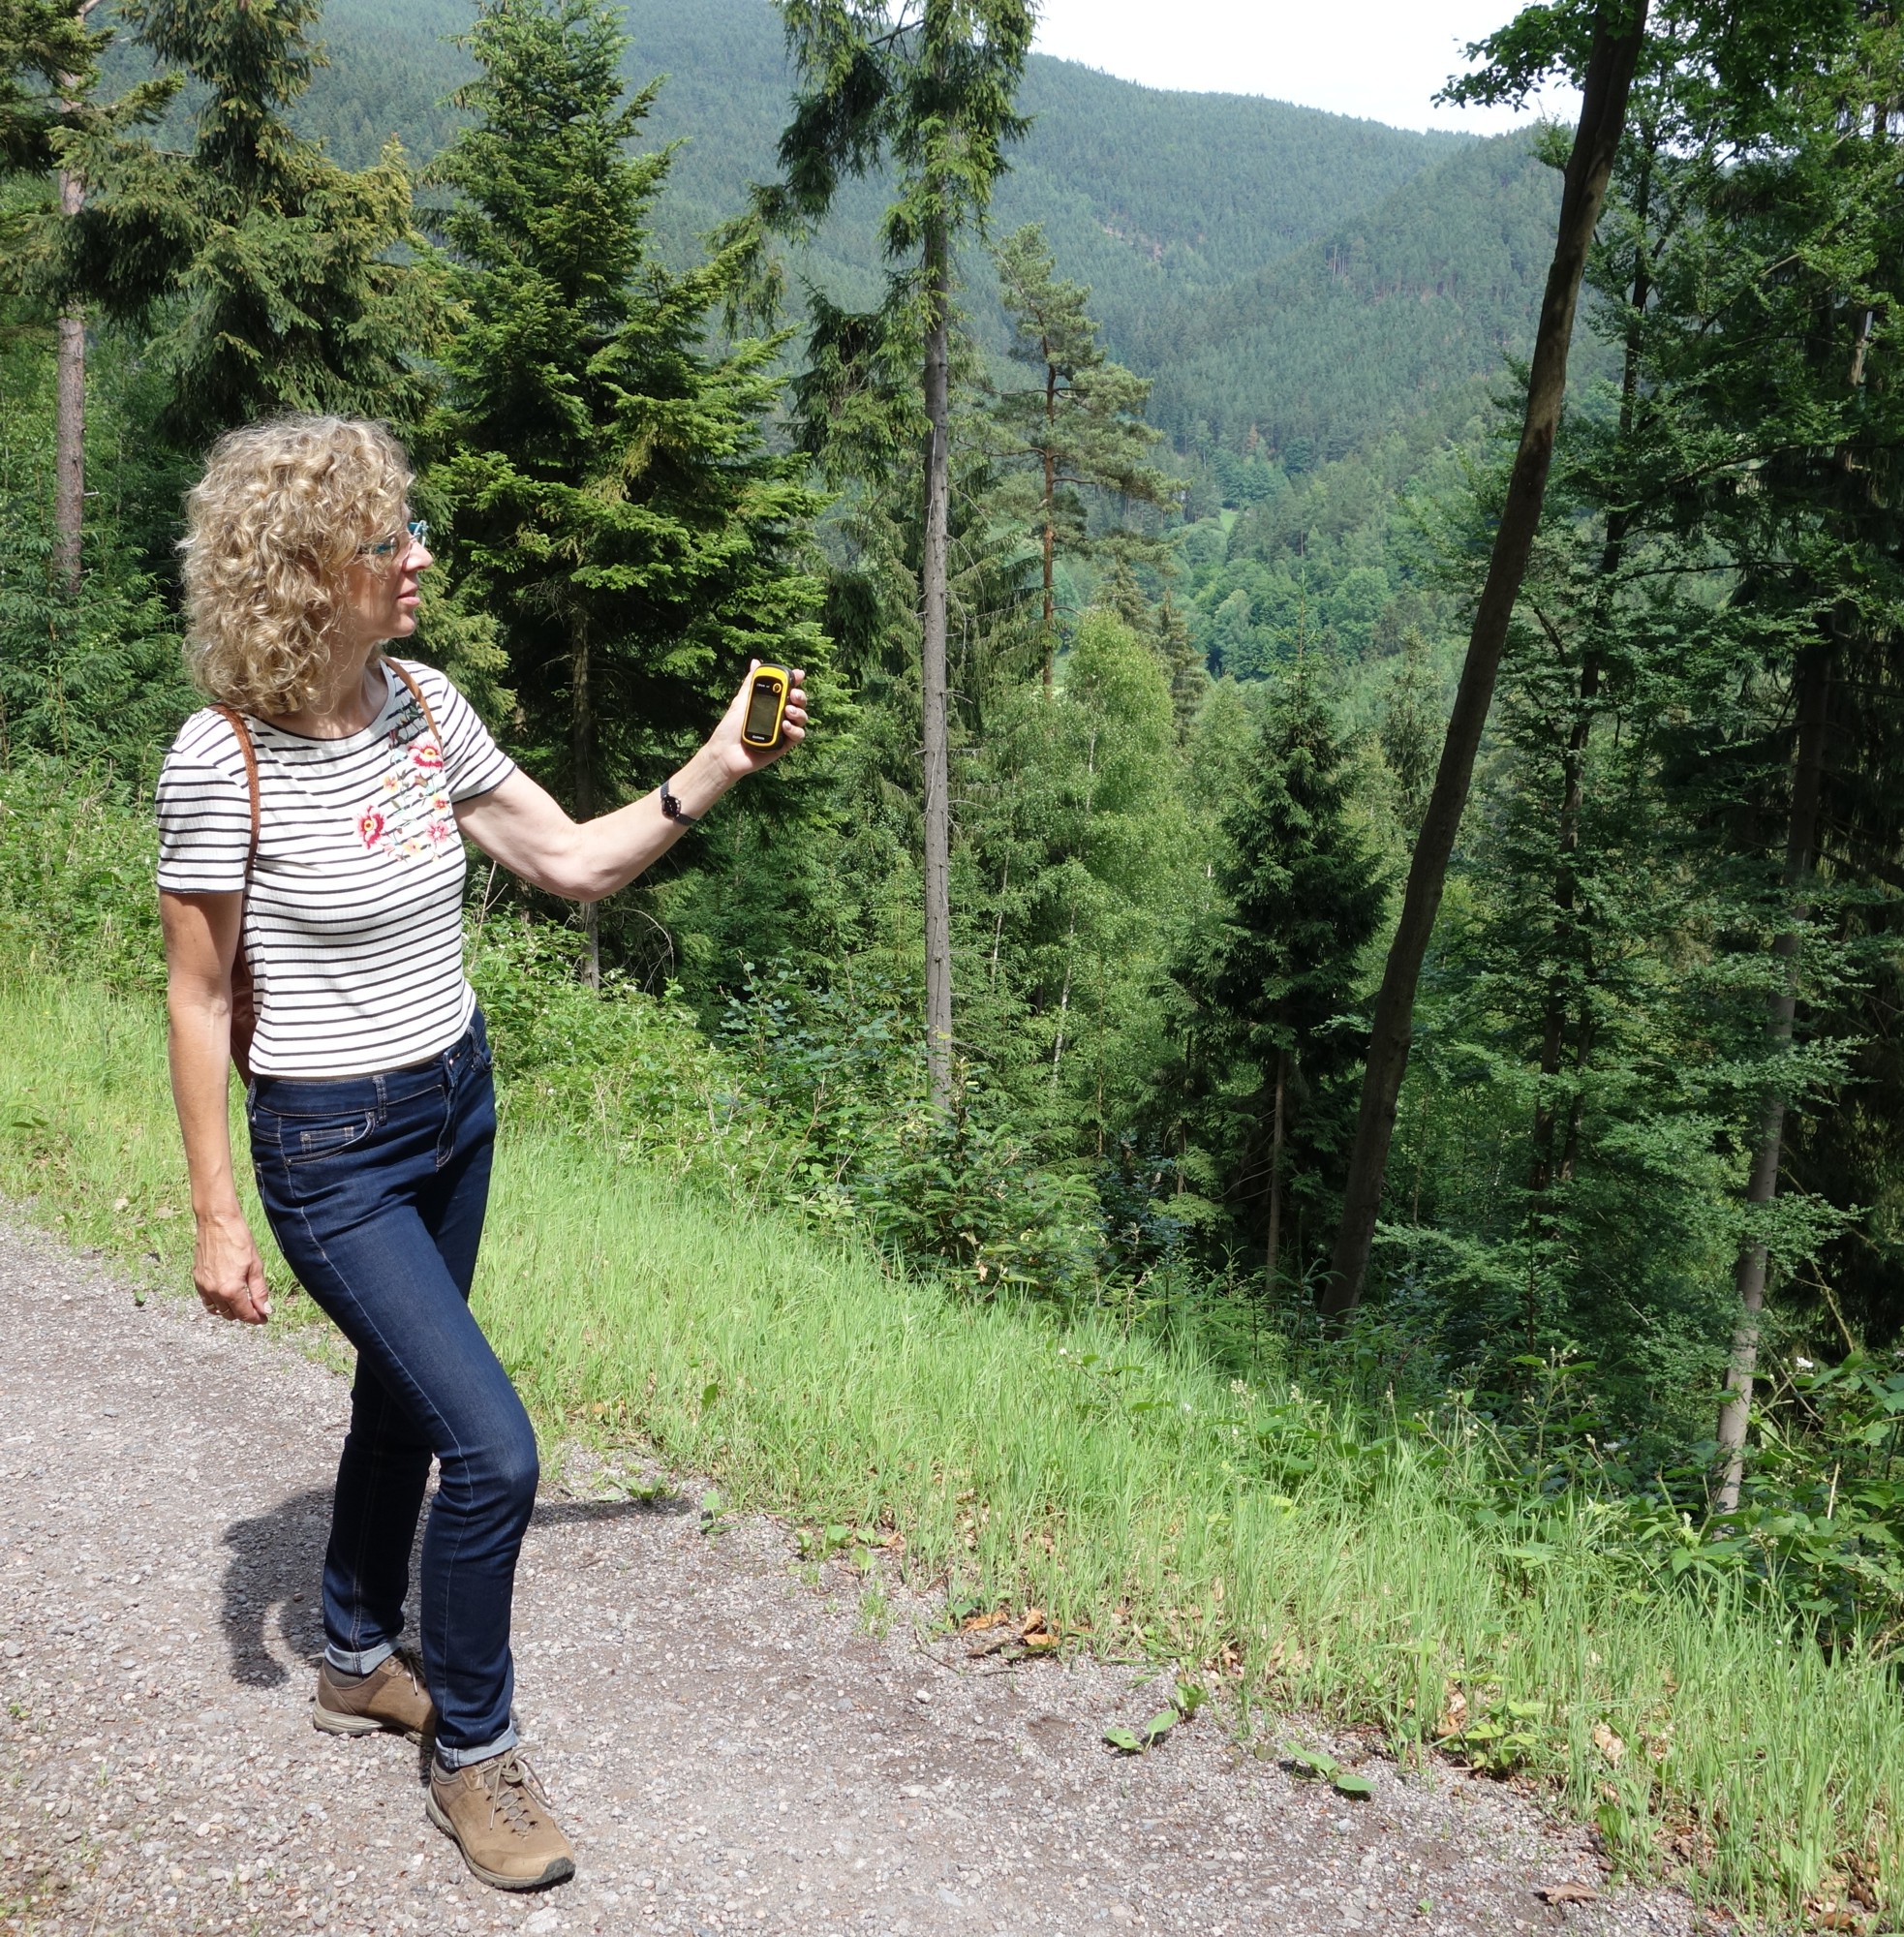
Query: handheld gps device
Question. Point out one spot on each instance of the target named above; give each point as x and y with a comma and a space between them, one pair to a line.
766, 706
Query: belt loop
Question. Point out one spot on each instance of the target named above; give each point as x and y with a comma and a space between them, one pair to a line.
382, 1099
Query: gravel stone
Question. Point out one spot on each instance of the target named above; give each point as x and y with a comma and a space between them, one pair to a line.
728, 1749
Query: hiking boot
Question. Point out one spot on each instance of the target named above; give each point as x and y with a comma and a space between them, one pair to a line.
390, 1697
499, 1814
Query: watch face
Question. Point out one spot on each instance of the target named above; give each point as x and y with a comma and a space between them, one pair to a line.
763, 711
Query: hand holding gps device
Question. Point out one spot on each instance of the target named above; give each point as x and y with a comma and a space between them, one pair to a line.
766, 706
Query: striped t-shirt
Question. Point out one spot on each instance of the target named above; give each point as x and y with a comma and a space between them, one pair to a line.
353, 926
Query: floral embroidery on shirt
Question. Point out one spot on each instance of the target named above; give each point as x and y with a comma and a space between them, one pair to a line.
416, 817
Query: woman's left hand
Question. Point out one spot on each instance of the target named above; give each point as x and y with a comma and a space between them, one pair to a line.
736, 757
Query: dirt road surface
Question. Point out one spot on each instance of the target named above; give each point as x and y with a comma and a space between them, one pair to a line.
730, 1750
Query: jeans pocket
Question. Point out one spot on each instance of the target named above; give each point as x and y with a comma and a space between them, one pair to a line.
305, 1143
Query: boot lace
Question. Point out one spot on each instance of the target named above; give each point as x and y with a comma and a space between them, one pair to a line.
515, 1792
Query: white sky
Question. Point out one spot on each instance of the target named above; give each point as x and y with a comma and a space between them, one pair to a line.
1381, 59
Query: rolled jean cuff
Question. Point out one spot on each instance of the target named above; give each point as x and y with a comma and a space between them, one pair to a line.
363, 1661
454, 1759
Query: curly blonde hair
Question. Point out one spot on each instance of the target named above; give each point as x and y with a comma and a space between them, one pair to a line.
271, 530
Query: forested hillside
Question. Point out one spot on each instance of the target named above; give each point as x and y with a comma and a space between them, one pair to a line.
1308, 294
1152, 920
1259, 259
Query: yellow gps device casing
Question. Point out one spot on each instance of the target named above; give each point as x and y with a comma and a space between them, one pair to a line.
766, 706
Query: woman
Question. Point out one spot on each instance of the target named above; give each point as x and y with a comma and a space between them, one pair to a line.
312, 825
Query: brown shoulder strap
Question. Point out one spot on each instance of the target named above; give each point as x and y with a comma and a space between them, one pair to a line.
236, 721
409, 678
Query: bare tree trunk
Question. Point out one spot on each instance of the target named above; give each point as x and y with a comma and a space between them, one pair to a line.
1762, 1186
581, 732
69, 433
1065, 998
935, 738
1608, 82
1275, 1244
1050, 514
70, 420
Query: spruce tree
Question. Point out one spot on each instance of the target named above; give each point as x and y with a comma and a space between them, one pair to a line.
47, 53
612, 501
1274, 1039
270, 278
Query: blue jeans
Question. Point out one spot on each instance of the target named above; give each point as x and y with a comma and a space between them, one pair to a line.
375, 1188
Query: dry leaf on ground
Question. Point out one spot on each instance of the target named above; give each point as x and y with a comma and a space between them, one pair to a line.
1567, 1893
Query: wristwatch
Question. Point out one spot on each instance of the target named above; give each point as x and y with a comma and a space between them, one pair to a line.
672, 809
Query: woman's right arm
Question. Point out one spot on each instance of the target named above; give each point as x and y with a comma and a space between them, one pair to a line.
202, 944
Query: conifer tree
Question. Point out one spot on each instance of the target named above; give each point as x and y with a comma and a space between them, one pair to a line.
927, 86
1410, 716
1273, 1038
50, 57
1080, 428
1190, 677
1798, 400
612, 501
1603, 47
45, 49
272, 278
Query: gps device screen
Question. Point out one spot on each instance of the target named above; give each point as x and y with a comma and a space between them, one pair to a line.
763, 712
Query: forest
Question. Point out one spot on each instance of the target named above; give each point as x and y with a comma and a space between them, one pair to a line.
1351, 846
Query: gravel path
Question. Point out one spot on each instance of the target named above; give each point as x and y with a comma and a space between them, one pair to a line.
728, 1749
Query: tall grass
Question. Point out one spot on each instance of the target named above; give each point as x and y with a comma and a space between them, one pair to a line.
1144, 1502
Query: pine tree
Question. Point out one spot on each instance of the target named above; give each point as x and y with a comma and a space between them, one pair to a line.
272, 278
613, 500
1273, 1037
1079, 431
1798, 400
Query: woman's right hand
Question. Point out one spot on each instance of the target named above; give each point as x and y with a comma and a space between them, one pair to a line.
228, 1271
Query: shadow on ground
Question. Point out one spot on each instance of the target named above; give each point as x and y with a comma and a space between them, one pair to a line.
271, 1579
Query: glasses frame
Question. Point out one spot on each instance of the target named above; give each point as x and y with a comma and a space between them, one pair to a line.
415, 531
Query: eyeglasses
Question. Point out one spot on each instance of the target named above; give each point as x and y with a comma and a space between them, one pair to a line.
416, 532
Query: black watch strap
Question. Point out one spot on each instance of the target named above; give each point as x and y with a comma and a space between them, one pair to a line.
674, 811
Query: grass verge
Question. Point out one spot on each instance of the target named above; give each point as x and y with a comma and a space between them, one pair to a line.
1140, 1500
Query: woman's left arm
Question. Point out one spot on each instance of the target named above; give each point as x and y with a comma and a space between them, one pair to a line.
519, 825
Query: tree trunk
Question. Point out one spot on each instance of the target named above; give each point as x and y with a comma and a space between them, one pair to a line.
70, 420
1275, 1169
1762, 1186
581, 745
1050, 516
69, 433
935, 737
1608, 82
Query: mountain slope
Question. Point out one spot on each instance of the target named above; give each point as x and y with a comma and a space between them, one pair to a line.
1422, 296
1290, 278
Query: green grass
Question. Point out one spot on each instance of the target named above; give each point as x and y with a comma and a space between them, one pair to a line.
1133, 1494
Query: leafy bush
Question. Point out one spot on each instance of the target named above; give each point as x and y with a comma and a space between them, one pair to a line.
77, 850
843, 1071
